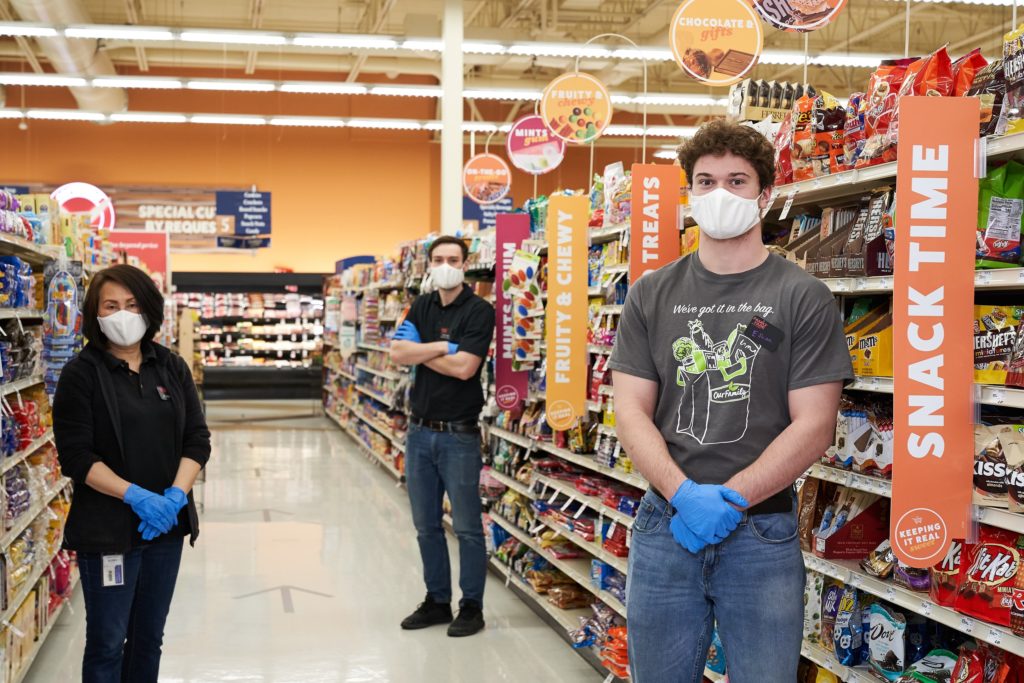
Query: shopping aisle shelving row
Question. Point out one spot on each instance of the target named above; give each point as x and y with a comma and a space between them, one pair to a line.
375, 425
592, 547
24, 520
827, 660
20, 676
10, 463
365, 450
21, 384
380, 373
375, 396
514, 484
591, 502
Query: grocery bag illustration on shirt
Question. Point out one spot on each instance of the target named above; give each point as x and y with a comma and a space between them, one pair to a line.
715, 378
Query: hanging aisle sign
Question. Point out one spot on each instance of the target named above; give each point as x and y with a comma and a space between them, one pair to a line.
576, 108
486, 178
566, 317
653, 224
716, 42
531, 147
511, 387
933, 308
798, 15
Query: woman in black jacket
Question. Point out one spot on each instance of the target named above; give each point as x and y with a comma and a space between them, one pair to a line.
130, 432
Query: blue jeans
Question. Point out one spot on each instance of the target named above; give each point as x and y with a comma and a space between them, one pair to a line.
435, 463
124, 625
751, 583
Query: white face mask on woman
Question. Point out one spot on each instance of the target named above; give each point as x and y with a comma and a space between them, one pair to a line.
723, 215
124, 328
446, 276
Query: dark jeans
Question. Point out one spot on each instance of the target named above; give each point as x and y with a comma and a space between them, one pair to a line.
435, 463
124, 625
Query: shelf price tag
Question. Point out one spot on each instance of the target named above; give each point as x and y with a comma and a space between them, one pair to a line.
966, 625
788, 205
508, 577
995, 636
572, 499
926, 608
982, 277
996, 396
855, 580
890, 593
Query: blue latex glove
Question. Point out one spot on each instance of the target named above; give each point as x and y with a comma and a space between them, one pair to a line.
148, 531
178, 497
407, 332
684, 536
453, 348
706, 511
151, 508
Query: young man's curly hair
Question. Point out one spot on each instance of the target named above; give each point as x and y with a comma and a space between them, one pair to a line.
719, 137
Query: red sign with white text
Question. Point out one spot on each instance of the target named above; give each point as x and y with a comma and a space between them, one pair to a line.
151, 248
653, 226
933, 310
510, 387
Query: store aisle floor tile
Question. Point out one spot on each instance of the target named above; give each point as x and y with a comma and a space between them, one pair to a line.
299, 506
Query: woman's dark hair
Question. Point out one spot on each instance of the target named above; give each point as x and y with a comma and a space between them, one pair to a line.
448, 239
147, 296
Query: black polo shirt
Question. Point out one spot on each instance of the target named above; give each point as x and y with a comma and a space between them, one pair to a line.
148, 426
469, 322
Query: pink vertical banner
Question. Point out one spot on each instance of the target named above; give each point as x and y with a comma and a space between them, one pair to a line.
511, 229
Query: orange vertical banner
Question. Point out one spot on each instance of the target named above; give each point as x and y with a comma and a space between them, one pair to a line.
653, 225
933, 309
566, 319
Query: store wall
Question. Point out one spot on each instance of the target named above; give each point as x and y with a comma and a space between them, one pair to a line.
336, 193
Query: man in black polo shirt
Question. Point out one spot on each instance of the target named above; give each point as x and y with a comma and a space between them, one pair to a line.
447, 335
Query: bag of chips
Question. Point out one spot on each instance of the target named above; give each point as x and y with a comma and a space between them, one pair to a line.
965, 69
931, 76
990, 87
847, 637
812, 606
1001, 216
830, 598
883, 95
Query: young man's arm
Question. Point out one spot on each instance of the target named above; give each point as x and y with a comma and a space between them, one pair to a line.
813, 410
635, 401
462, 365
473, 346
415, 353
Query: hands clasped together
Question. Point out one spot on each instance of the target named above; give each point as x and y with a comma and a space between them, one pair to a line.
704, 514
159, 514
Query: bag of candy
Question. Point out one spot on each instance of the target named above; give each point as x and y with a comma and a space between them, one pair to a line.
990, 87
888, 642
802, 148
853, 132
783, 152
965, 69
882, 97
1013, 68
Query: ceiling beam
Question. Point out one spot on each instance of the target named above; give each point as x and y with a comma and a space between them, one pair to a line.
255, 21
381, 17
135, 13
23, 45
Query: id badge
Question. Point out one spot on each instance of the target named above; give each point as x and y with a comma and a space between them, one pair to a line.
113, 570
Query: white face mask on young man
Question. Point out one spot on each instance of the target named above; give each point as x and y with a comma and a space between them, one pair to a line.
446, 276
124, 328
723, 215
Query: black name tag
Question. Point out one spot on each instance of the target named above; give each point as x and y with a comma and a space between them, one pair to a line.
764, 333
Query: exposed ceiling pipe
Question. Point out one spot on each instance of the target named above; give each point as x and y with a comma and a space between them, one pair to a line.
79, 57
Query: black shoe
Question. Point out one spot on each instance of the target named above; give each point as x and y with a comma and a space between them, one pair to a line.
429, 613
469, 621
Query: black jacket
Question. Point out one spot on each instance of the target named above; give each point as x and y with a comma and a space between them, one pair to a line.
87, 429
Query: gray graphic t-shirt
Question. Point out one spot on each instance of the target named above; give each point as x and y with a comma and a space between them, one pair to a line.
723, 388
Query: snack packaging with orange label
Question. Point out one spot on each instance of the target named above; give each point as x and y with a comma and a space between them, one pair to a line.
965, 69
883, 95
990, 575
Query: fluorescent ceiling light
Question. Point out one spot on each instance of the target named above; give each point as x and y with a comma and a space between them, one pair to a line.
867, 61
148, 117
671, 131
670, 100
324, 88
234, 37
385, 124
433, 125
307, 121
480, 48
342, 42
479, 128
651, 54
556, 50
787, 57
229, 85
419, 45
27, 29
407, 91
228, 119
665, 154
154, 83
11, 114
65, 115
119, 33
513, 95
628, 131
43, 80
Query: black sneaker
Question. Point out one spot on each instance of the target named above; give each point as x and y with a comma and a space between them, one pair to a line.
429, 613
469, 621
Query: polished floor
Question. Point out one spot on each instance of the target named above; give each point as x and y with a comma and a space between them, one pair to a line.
294, 504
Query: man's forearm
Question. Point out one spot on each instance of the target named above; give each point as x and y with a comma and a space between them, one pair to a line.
646, 447
414, 353
786, 458
461, 365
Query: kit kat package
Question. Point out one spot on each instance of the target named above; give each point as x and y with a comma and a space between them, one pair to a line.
990, 575
946, 575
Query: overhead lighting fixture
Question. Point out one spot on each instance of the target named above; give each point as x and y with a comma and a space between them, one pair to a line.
119, 33
419, 45
433, 125
148, 117
324, 88
479, 128
26, 29
784, 57
665, 154
64, 115
344, 42
43, 80
681, 100
671, 131
234, 37
651, 54
866, 61
385, 124
511, 95
228, 119
407, 91
307, 122
229, 85
480, 48
558, 50
154, 83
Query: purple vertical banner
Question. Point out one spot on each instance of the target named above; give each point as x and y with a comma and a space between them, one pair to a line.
511, 229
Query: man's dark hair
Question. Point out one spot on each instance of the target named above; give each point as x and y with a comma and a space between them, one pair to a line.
147, 296
721, 137
448, 239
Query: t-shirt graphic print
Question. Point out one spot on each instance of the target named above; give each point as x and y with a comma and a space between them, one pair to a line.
723, 386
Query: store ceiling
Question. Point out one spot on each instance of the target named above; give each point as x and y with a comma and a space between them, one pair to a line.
874, 27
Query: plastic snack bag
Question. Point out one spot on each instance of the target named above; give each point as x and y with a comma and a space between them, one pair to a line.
812, 606
965, 70
1000, 214
945, 576
880, 107
847, 637
853, 131
935, 667
990, 87
1013, 68
888, 642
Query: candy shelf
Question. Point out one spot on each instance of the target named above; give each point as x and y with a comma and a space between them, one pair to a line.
606, 430
611, 310
375, 396
30, 251
1004, 278
608, 234
850, 573
25, 520
827, 660
373, 347
373, 424
513, 484
21, 384
986, 394
594, 407
592, 547
380, 373
512, 437
600, 349
578, 570
616, 269
367, 451
591, 502
41, 638
20, 457
23, 313
346, 375
882, 385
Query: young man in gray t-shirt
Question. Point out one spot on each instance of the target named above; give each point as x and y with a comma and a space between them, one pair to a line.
728, 369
